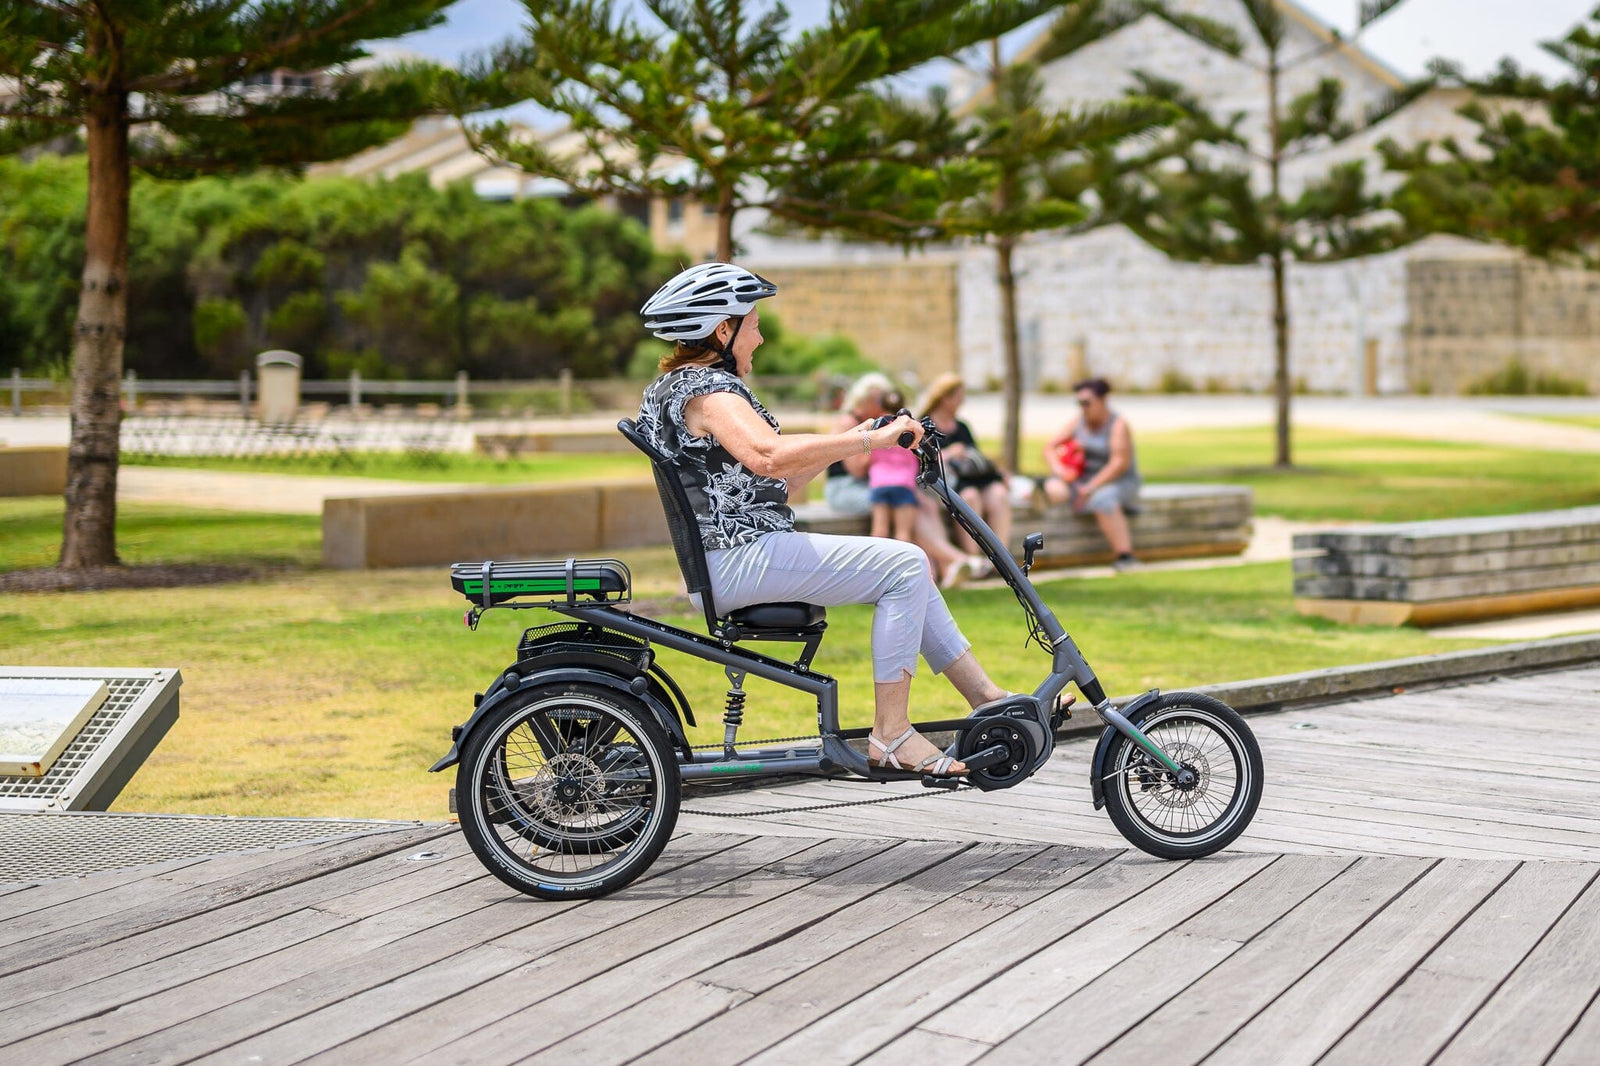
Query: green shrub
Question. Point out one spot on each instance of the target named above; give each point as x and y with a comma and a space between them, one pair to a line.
1174, 380
1515, 379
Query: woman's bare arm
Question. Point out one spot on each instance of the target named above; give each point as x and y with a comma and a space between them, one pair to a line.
762, 449
1121, 458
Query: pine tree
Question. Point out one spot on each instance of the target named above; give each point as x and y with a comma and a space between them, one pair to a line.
721, 104
1213, 209
166, 87
1037, 163
1534, 178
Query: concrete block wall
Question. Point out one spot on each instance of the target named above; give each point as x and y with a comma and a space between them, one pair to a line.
1471, 319
435, 529
1135, 314
901, 313
33, 471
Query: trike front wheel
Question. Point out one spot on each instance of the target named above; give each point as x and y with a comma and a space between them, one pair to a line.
1207, 809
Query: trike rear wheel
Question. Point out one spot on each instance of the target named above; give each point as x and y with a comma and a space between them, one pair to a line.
1188, 819
568, 791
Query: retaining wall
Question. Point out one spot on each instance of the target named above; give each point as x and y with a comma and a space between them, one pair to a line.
33, 471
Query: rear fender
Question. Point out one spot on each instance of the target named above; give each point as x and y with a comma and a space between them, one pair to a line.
640, 686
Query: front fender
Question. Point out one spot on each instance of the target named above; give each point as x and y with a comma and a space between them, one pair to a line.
638, 686
1102, 750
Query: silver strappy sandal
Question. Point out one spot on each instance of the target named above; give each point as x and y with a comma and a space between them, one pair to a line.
933, 765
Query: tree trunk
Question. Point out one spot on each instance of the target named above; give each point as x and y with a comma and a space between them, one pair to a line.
1280, 375
1280, 303
1012, 416
725, 212
89, 532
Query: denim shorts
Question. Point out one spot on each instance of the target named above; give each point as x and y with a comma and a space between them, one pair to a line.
893, 496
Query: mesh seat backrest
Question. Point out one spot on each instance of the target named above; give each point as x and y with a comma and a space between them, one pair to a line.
681, 523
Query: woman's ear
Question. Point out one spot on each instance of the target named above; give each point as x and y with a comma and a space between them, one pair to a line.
722, 332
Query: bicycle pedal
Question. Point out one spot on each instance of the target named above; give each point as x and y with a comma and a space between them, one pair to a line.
948, 783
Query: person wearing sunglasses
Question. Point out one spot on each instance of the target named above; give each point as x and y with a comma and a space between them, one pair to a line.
1107, 482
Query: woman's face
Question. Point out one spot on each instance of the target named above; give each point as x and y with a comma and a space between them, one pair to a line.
1092, 406
952, 401
870, 406
745, 344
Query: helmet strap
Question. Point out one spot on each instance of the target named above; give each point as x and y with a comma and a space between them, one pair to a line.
729, 363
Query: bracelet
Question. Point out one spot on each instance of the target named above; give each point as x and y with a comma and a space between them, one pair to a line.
866, 442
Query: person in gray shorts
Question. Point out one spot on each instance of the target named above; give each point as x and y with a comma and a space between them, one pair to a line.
735, 465
1107, 486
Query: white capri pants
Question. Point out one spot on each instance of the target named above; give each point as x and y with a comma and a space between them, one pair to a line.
830, 571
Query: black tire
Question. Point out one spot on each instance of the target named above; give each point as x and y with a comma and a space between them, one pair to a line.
569, 791
1143, 798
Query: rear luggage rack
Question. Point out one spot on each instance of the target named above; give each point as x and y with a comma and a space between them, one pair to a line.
543, 583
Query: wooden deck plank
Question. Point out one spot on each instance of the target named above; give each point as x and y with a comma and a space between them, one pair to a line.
1426, 1009
1010, 1000
151, 903
779, 1008
1209, 1011
340, 892
1530, 1013
86, 997
1082, 1023
906, 995
211, 1014
577, 1006
1303, 1023
682, 1006
331, 1029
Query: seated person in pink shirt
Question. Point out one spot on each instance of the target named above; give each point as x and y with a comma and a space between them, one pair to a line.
892, 481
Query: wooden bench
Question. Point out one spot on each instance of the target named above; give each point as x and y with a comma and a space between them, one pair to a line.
1452, 570
1175, 521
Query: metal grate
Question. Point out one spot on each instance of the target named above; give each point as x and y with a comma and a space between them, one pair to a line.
140, 707
123, 694
43, 847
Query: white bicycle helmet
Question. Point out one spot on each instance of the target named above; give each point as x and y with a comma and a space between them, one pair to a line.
688, 307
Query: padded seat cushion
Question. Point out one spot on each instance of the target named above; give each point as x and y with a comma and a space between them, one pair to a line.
779, 615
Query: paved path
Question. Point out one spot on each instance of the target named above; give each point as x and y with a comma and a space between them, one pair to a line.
1394, 903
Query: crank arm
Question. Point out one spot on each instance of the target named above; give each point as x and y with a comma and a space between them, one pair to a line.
990, 756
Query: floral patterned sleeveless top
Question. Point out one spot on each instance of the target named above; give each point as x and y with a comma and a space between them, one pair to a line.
734, 505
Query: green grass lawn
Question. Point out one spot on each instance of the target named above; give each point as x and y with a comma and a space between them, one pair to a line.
30, 535
1582, 421
1345, 476
329, 693
448, 466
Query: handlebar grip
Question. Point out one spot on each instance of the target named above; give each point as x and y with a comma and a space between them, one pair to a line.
906, 438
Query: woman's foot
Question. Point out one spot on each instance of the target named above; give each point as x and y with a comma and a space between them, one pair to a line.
913, 753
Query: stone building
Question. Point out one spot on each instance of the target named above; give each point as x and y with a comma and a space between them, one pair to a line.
1106, 303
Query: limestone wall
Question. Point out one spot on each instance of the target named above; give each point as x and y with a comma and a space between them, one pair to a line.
1108, 304
901, 314
1471, 319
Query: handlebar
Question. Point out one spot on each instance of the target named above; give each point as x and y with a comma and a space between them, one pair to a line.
905, 439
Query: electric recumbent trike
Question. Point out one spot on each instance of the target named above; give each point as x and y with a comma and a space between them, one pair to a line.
570, 768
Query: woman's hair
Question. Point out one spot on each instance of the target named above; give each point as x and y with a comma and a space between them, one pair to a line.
865, 386
693, 353
1098, 386
938, 390
688, 353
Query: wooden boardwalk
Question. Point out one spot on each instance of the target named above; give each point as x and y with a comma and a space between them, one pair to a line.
1503, 769
1434, 930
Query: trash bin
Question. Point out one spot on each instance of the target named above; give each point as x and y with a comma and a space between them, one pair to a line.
279, 401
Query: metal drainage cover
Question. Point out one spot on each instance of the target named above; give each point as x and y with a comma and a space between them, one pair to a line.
43, 847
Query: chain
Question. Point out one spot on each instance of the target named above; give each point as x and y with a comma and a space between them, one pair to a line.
754, 743
925, 794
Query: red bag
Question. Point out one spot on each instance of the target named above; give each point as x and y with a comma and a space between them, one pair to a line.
1068, 456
